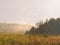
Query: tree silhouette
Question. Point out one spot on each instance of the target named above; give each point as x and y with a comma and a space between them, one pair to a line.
51, 27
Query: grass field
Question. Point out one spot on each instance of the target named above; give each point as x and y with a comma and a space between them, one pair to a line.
16, 39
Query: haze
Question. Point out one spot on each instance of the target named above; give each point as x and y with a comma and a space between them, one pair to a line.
28, 11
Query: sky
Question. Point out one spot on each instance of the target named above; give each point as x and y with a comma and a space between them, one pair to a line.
28, 11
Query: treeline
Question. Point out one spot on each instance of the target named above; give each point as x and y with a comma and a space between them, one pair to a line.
50, 27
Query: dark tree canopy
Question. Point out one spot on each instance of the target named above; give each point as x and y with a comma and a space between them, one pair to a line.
51, 27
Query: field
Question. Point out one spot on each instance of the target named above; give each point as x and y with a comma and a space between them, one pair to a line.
16, 39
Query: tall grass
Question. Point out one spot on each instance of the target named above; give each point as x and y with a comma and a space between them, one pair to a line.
17, 39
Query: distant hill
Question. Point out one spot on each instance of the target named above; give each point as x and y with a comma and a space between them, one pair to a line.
50, 27
14, 28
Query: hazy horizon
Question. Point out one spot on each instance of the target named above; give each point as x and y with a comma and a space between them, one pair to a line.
28, 11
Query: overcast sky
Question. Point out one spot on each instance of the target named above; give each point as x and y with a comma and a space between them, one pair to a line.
28, 11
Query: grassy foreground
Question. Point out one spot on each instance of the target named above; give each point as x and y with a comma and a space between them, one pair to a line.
16, 39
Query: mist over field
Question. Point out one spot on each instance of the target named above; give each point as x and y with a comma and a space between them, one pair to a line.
14, 28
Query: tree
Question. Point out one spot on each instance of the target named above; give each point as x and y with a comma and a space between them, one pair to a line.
51, 27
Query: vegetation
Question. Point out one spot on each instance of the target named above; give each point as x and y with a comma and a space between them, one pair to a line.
47, 33
17, 39
51, 27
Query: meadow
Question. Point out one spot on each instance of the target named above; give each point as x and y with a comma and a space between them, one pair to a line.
17, 39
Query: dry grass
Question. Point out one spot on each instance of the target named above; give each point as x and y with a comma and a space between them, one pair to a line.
16, 39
